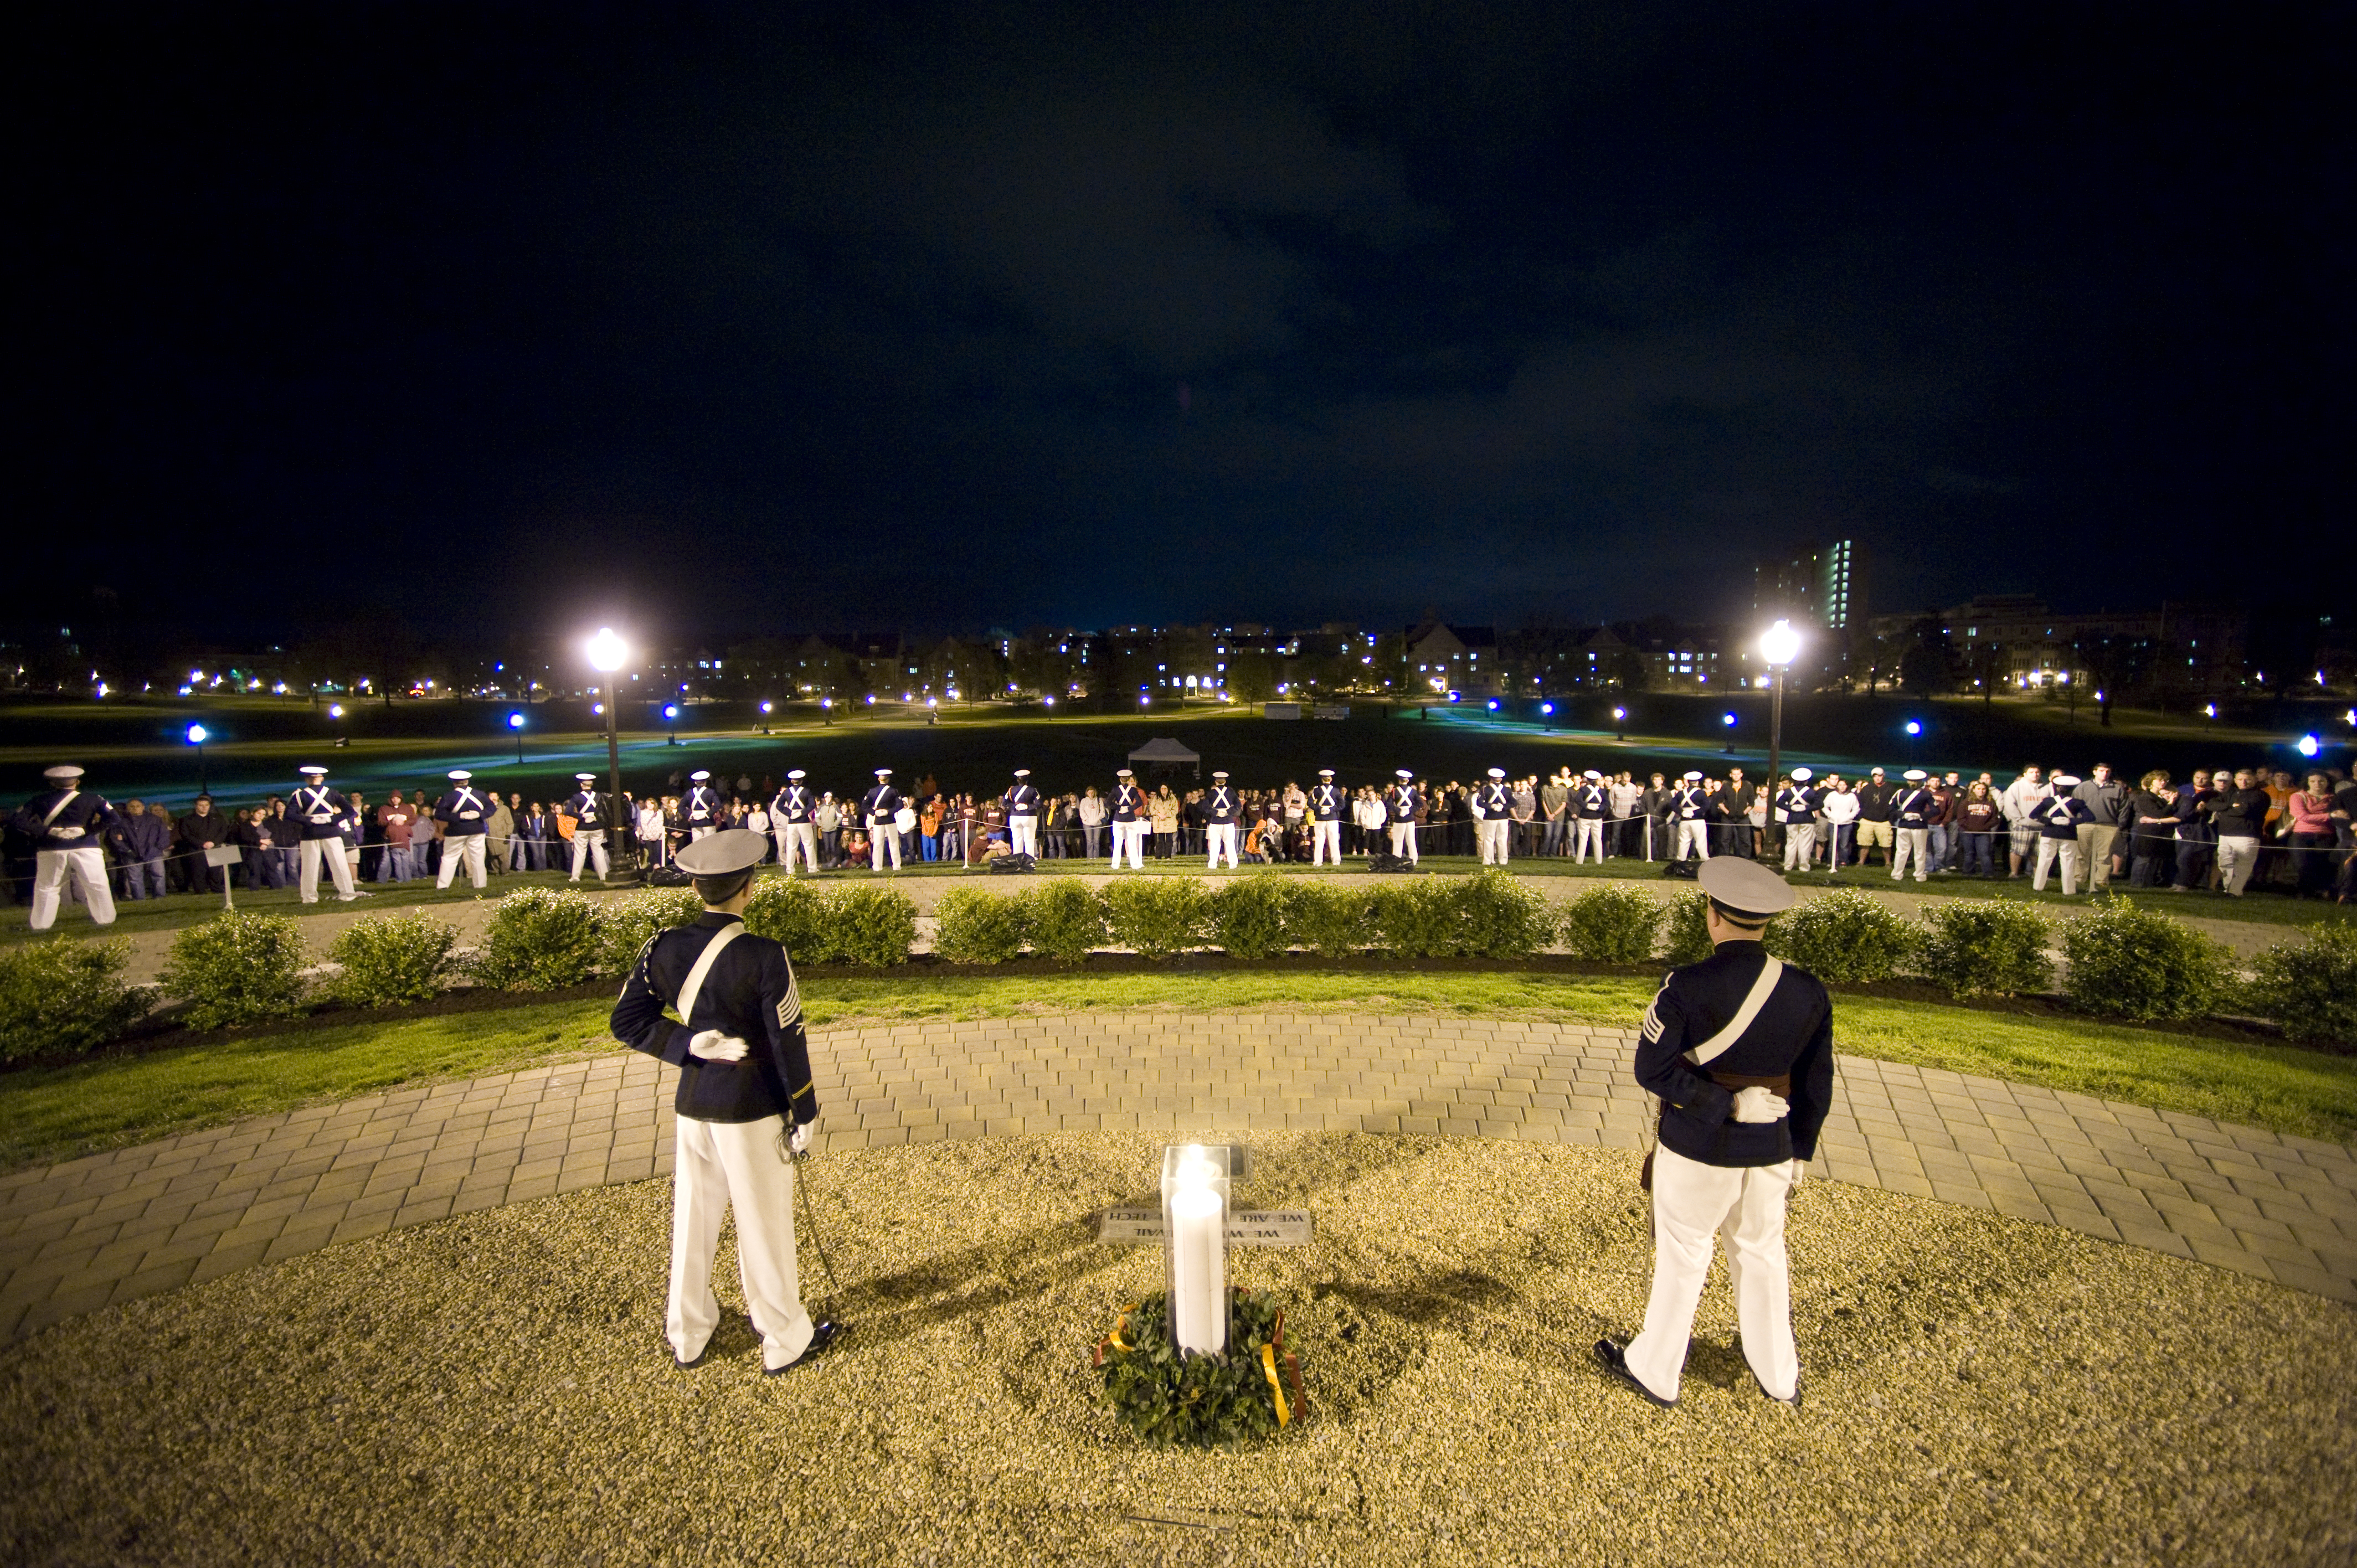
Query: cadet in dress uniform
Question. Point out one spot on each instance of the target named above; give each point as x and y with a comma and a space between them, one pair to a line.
744, 1080
1796, 808
466, 816
1492, 805
793, 817
1690, 809
588, 814
1328, 802
1220, 809
2057, 818
1399, 809
1022, 803
69, 827
320, 813
877, 809
1590, 804
702, 807
1128, 816
1911, 812
1740, 1049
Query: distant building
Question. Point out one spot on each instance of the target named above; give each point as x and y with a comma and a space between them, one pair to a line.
2018, 642
1443, 658
1822, 584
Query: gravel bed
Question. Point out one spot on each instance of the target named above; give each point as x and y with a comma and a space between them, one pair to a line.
493, 1389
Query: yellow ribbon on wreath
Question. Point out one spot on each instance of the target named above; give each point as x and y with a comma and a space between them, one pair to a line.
1276, 1389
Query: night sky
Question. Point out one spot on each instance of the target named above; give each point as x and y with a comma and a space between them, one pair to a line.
779, 317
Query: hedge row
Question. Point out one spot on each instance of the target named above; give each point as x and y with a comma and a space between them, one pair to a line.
64, 996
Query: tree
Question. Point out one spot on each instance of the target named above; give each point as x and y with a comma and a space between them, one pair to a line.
1923, 668
1252, 676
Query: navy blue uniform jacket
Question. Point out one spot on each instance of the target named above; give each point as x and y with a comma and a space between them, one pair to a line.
1794, 1034
748, 994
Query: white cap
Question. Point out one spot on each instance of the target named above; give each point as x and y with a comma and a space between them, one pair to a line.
1694, 775
883, 773
585, 778
719, 854
701, 773
1591, 773
2065, 781
1802, 776
793, 773
313, 772
460, 775
1325, 773
65, 773
1405, 774
1912, 773
1121, 773
1023, 773
1497, 773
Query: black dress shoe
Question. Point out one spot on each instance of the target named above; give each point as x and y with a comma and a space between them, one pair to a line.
1616, 1363
681, 1364
825, 1335
1794, 1401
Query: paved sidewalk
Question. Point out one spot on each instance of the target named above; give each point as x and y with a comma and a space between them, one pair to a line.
135, 1221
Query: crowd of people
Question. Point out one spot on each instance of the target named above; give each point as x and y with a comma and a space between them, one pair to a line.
2226, 830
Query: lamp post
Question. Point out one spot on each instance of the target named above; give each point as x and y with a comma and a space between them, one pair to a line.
1619, 724
607, 654
1779, 645
196, 739
671, 718
515, 723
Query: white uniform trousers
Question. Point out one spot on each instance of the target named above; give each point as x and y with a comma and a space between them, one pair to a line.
695, 833
883, 838
457, 847
1129, 837
339, 870
1493, 830
798, 838
2048, 850
1588, 833
1914, 844
1695, 834
1023, 836
1403, 841
717, 1164
1220, 836
589, 844
1800, 844
87, 865
1325, 844
1745, 1205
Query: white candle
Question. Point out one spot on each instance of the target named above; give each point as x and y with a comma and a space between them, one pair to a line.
1198, 1285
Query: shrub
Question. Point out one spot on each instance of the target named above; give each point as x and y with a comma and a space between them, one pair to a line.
1689, 938
626, 921
391, 958
1155, 917
975, 927
1068, 919
63, 996
1247, 915
2311, 986
1843, 936
871, 926
237, 969
1332, 919
2129, 962
789, 911
1419, 917
1503, 915
1612, 923
1986, 947
545, 938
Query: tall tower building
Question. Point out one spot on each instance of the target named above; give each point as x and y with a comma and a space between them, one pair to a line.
1822, 585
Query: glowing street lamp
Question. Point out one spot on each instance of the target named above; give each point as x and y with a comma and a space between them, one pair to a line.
2306, 746
515, 723
196, 739
670, 723
607, 654
1779, 646
1619, 724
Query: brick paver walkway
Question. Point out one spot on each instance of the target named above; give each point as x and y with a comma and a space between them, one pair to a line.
76, 1236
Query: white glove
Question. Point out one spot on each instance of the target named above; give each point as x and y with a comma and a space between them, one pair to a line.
1756, 1104
799, 1139
712, 1046
1799, 1169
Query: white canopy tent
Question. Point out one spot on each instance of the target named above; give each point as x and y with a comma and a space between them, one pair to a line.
1166, 753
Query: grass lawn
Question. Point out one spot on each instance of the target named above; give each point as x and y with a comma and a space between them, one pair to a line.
55, 1113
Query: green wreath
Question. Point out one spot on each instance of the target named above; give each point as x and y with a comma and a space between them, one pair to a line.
1252, 1389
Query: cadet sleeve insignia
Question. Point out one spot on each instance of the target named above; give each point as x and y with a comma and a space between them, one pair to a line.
790, 1005
1653, 1030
